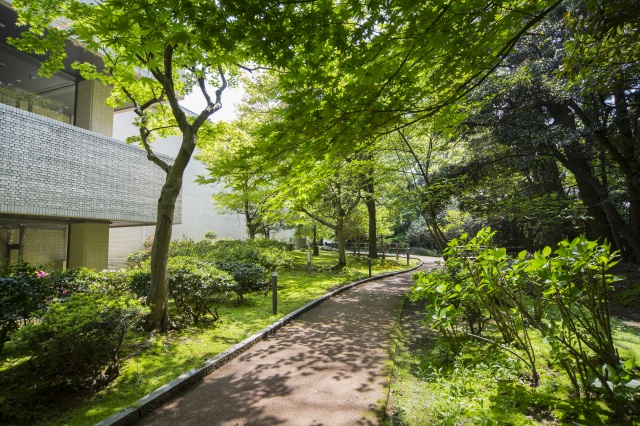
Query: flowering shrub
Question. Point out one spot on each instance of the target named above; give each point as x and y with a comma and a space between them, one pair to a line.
23, 291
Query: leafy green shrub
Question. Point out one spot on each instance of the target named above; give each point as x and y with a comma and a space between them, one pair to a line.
269, 254
23, 292
76, 342
188, 247
385, 263
423, 251
139, 281
248, 277
138, 257
70, 281
564, 297
198, 288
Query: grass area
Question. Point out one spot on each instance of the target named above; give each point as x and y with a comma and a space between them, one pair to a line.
484, 385
148, 365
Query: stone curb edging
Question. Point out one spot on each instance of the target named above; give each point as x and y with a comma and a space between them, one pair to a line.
149, 402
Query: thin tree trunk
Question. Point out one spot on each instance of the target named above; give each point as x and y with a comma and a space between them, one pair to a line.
370, 202
158, 318
158, 297
342, 244
373, 233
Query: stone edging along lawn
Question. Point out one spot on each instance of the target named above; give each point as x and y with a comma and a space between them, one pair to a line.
147, 403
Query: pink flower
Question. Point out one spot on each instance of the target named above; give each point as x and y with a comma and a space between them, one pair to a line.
41, 274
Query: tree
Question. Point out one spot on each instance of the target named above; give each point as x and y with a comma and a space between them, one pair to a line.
249, 187
587, 126
393, 64
154, 53
326, 191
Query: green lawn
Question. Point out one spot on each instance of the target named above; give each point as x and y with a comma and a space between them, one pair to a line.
149, 364
484, 385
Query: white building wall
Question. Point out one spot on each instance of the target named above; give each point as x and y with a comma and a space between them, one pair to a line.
198, 212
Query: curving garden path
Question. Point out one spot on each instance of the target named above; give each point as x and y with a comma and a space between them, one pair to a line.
328, 367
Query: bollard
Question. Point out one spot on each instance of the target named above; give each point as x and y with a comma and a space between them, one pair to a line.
274, 289
407, 256
397, 252
369, 261
308, 262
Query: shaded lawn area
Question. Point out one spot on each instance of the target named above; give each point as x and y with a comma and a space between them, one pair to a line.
148, 364
484, 385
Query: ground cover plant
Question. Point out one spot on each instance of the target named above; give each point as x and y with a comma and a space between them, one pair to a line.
145, 364
524, 340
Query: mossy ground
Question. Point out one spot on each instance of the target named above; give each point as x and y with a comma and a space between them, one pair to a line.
484, 385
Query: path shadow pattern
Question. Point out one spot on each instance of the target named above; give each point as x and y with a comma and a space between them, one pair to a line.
326, 368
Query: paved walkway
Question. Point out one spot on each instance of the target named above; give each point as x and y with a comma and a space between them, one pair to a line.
328, 367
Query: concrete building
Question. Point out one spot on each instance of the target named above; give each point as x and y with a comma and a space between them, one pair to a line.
64, 181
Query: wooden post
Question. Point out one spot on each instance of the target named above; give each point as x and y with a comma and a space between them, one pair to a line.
397, 252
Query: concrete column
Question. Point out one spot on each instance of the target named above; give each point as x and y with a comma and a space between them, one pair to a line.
91, 111
88, 245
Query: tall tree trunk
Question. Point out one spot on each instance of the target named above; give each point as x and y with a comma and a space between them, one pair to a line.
248, 218
373, 232
370, 202
158, 318
619, 227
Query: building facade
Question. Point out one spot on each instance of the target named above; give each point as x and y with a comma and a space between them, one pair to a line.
64, 181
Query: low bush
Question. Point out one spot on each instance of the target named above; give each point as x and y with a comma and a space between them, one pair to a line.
248, 277
139, 281
23, 292
70, 281
188, 247
76, 342
197, 288
561, 294
269, 254
136, 258
423, 251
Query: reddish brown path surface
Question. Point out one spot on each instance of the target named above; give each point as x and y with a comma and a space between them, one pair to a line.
328, 367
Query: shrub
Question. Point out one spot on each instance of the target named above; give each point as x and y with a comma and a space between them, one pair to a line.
76, 342
563, 295
188, 247
197, 288
248, 277
269, 254
70, 281
138, 257
139, 281
23, 292
423, 251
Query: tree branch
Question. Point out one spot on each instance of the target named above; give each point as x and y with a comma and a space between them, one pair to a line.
211, 107
145, 132
319, 219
